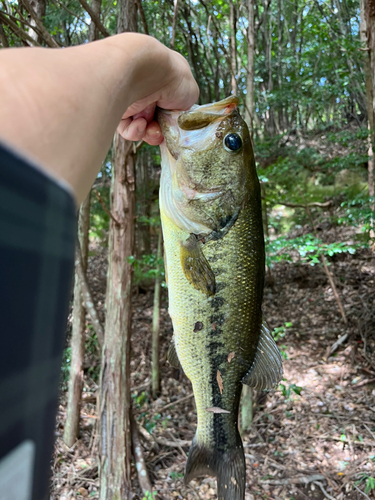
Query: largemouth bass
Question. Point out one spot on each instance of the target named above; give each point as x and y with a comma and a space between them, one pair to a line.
210, 208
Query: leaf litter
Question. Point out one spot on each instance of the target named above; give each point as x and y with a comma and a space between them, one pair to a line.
313, 438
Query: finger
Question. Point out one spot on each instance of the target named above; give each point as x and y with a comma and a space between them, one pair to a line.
135, 130
123, 125
141, 109
153, 135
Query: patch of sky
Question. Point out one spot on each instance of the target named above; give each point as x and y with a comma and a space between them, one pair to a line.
354, 26
322, 81
305, 11
337, 99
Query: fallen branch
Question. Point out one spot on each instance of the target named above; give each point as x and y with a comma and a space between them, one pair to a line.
169, 405
176, 443
87, 297
363, 493
295, 480
323, 490
302, 205
339, 341
365, 382
140, 464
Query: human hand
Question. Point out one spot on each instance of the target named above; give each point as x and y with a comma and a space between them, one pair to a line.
177, 89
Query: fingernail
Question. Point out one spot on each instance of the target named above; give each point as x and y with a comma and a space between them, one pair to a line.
141, 129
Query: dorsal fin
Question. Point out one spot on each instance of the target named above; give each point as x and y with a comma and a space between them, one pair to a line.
267, 369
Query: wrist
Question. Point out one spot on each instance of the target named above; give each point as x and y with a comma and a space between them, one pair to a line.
139, 66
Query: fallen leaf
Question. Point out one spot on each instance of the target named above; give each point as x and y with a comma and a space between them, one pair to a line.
215, 409
219, 382
231, 356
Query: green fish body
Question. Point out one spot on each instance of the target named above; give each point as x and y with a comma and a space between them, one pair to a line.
210, 207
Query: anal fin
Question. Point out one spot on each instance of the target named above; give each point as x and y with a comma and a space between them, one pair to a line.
195, 266
267, 369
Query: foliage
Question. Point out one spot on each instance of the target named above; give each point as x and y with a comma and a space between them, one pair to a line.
150, 495
147, 267
287, 391
307, 248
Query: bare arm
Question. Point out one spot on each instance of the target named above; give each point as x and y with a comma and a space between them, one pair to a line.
62, 106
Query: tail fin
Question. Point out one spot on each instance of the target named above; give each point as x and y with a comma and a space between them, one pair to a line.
228, 466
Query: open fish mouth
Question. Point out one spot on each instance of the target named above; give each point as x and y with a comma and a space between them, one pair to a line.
185, 129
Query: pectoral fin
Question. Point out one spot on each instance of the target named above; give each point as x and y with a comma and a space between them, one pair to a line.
196, 268
173, 357
267, 369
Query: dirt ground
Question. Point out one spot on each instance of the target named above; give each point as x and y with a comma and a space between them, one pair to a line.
314, 438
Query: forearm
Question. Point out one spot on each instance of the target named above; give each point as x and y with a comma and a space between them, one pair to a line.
62, 106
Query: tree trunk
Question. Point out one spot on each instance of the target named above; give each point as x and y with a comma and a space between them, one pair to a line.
71, 431
249, 114
370, 21
96, 6
232, 21
114, 392
156, 324
175, 14
39, 7
143, 204
114, 428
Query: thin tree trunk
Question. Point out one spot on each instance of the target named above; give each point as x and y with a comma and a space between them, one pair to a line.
233, 52
156, 324
140, 465
175, 14
3, 37
39, 7
369, 19
143, 204
114, 392
71, 431
249, 114
81, 291
246, 408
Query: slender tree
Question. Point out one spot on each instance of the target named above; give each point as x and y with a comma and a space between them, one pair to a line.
71, 431
114, 400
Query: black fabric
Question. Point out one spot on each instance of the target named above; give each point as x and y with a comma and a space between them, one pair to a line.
37, 237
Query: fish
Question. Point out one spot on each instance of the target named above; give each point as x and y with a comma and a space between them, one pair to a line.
210, 206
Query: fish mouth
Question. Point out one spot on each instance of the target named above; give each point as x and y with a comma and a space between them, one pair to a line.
197, 126
197, 117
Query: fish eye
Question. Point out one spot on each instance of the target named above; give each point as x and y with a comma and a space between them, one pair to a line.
232, 142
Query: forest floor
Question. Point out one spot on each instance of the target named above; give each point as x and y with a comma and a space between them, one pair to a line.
317, 444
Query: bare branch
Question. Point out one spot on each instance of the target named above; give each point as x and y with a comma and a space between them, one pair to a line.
17, 30
143, 17
100, 200
48, 38
87, 297
94, 17
3, 38
143, 478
